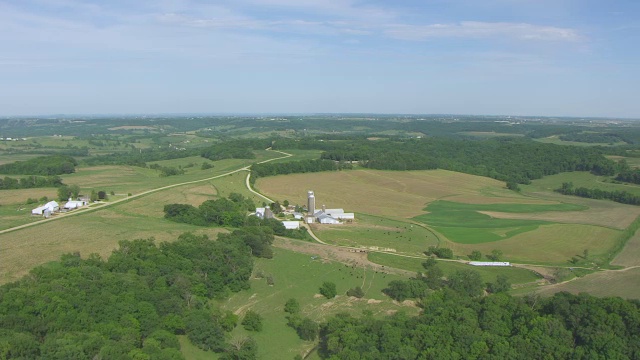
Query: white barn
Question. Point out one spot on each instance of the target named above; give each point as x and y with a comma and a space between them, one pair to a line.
291, 225
51, 206
74, 204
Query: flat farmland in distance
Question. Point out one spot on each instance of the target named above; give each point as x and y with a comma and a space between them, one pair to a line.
374, 231
622, 283
300, 276
392, 194
300, 155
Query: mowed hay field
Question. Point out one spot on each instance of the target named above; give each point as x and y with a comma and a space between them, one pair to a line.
393, 194
623, 283
630, 254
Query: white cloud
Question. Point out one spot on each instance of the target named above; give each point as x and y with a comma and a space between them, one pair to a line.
476, 29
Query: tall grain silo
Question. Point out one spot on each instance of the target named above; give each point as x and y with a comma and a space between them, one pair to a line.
311, 202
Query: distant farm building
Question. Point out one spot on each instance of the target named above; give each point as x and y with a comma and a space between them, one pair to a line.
489, 263
264, 213
74, 204
49, 207
291, 225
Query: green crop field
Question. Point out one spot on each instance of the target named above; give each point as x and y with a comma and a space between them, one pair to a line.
555, 139
515, 275
375, 231
299, 276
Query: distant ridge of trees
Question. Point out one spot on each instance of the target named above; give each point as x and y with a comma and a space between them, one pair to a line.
295, 167
506, 159
30, 182
623, 197
42, 165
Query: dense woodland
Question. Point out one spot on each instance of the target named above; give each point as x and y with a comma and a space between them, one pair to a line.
295, 167
455, 326
130, 306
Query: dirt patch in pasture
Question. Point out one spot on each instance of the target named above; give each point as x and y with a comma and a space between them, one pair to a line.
338, 254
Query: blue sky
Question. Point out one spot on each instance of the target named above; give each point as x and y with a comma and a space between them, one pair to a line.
512, 57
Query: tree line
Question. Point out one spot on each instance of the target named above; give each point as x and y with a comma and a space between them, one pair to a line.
42, 165
623, 197
30, 182
130, 306
295, 167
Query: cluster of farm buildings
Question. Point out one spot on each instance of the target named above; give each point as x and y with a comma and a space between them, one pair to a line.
53, 207
322, 216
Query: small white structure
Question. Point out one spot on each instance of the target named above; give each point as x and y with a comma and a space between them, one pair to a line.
298, 216
291, 225
51, 206
74, 204
489, 263
260, 212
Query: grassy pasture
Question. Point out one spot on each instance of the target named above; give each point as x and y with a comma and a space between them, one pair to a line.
488, 134
625, 284
379, 232
515, 275
299, 276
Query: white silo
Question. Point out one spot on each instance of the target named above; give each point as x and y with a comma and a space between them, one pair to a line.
311, 202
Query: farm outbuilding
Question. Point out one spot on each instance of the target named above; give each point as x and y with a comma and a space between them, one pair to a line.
489, 263
74, 204
51, 206
291, 225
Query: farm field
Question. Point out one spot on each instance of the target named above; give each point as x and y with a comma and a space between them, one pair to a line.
630, 254
625, 284
515, 275
466, 212
299, 276
373, 231
555, 139
391, 194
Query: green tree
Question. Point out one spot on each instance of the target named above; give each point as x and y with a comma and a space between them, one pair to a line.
292, 306
328, 290
356, 292
501, 284
308, 329
468, 282
475, 255
496, 255
252, 321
